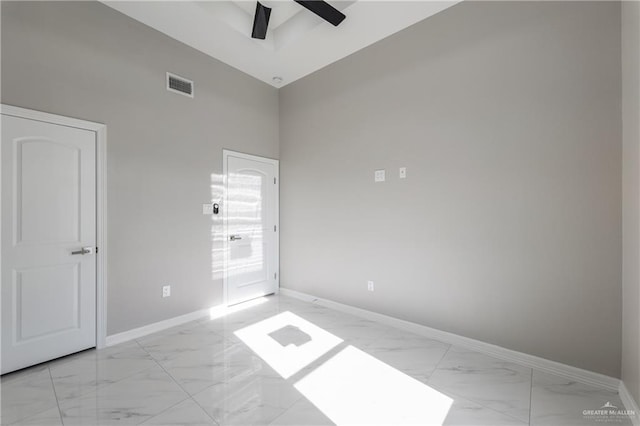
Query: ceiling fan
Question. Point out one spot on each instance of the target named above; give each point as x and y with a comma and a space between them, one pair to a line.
319, 7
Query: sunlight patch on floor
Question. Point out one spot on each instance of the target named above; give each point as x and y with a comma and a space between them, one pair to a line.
287, 359
353, 387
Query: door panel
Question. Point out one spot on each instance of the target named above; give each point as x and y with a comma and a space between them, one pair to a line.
251, 219
48, 212
46, 292
47, 173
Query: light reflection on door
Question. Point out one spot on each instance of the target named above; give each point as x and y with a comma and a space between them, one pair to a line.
251, 208
247, 220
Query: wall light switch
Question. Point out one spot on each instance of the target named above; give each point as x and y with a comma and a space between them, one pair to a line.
207, 209
379, 176
403, 172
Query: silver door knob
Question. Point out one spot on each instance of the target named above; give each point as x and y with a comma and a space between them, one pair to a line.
235, 237
83, 251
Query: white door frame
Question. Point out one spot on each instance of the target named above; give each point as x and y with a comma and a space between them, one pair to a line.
101, 202
226, 153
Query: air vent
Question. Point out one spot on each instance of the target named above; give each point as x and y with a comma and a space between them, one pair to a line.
178, 84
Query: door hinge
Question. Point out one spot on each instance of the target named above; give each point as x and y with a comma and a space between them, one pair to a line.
96, 250
274, 228
275, 274
274, 181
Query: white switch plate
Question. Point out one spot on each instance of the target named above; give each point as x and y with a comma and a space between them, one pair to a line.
379, 176
166, 291
403, 172
370, 285
207, 209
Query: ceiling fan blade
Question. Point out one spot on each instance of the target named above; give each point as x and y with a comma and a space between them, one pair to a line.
261, 21
323, 10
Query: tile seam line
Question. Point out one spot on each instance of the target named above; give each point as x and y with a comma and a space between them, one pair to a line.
55, 393
189, 396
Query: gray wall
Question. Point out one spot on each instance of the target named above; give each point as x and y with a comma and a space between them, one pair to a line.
631, 196
88, 61
508, 227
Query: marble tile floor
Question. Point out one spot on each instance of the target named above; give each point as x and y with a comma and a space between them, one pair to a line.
202, 373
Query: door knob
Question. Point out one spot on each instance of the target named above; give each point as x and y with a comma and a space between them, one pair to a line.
83, 251
235, 237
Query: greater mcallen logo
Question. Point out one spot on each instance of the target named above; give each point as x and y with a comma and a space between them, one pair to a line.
608, 413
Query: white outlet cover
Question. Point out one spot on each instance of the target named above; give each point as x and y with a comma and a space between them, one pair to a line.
403, 173
379, 175
207, 209
166, 291
370, 286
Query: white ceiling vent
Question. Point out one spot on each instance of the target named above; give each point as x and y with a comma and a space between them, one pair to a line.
178, 84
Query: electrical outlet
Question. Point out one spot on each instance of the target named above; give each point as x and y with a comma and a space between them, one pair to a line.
166, 291
379, 176
370, 285
403, 173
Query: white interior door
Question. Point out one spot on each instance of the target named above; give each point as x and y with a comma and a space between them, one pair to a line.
48, 241
252, 219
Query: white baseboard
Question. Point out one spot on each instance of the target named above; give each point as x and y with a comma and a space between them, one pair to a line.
629, 403
542, 364
135, 333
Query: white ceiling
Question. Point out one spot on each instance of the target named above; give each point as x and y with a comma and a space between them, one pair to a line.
298, 42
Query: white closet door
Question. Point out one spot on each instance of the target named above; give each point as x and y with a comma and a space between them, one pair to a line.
48, 241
